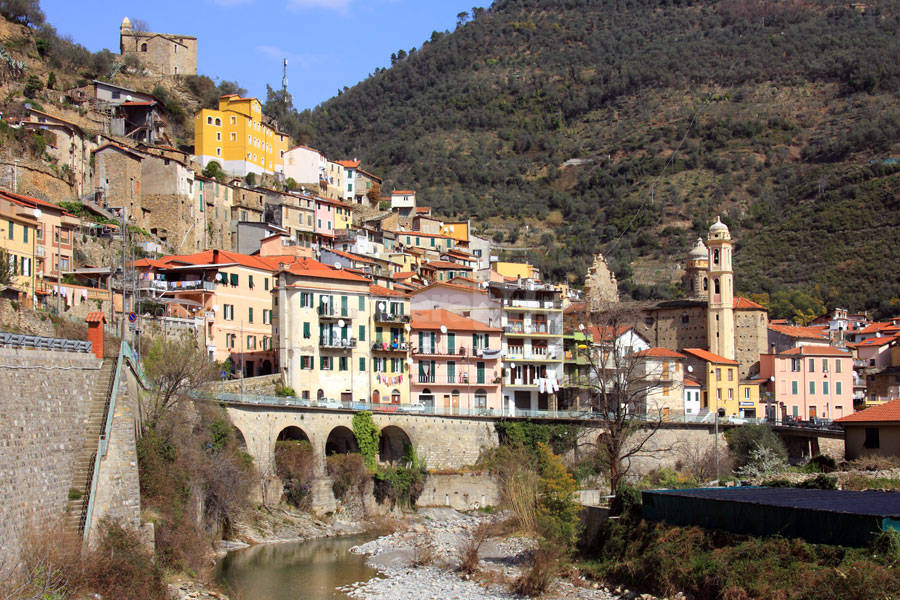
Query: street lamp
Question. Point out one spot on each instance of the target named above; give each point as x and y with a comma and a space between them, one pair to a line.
719, 413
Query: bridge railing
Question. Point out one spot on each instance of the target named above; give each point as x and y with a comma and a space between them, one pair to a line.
18, 340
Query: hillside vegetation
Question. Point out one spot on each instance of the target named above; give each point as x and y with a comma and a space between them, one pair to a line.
625, 127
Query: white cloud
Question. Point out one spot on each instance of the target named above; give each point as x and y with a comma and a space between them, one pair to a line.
340, 6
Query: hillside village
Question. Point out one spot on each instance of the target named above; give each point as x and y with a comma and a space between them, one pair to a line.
397, 306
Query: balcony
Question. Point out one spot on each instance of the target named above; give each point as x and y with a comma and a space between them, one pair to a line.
435, 351
533, 329
189, 286
527, 305
390, 347
387, 317
330, 312
337, 343
425, 379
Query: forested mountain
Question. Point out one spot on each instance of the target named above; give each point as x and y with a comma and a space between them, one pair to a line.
626, 126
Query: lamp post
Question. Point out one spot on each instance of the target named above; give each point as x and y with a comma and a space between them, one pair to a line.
719, 413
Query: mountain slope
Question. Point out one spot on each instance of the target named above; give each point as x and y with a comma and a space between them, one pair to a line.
624, 127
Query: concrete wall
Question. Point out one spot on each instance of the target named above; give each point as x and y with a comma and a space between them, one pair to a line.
43, 412
462, 491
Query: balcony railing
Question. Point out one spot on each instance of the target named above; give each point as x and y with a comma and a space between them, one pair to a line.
330, 312
178, 286
387, 317
426, 379
337, 343
390, 347
526, 305
533, 329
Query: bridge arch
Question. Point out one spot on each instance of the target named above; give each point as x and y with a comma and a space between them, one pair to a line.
239, 439
292, 433
393, 444
341, 441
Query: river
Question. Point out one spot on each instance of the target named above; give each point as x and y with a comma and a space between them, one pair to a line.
309, 570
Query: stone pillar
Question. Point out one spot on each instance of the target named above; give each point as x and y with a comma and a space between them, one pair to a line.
95, 321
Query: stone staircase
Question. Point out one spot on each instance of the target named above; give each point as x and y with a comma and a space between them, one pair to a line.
84, 465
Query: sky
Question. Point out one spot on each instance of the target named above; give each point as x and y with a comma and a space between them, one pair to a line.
329, 44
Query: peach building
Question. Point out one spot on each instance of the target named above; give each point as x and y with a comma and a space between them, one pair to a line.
811, 381
456, 363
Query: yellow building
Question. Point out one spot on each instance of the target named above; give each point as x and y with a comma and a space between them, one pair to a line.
720, 380
239, 137
18, 235
458, 230
521, 270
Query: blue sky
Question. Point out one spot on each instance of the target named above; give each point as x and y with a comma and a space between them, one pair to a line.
329, 44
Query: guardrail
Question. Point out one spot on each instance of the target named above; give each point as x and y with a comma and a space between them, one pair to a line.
18, 340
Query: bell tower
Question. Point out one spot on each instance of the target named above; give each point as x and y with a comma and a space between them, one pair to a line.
720, 313
696, 279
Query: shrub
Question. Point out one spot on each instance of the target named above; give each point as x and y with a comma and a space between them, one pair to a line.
744, 439
468, 552
535, 581
626, 503
349, 473
819, 482
820, 463
875, 463
402, 485
557, 514
518, 483
122, 568
367, 436
283, 390
763, 460
295, 465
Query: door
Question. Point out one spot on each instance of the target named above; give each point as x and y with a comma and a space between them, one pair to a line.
446, 404
812, 413
346, 398
523, 400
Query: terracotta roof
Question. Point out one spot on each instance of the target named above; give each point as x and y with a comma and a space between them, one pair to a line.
708, 356
875, 341
604, 333
349, 164
455, 286
19, 198
423, 209
443, 264
424, 234
377, 290
889, 411
351, 256
797, 332
150, 103
815, 350
741, 303
403, 275
660, 353
307, 267
372, 175
403, 192
332, 202
688, 382
95, 316
433, 319
119, 147
873, 328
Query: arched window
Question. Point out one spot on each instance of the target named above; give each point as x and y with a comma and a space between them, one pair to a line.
376, 397
209, 120
480, 399
143, 47
320, 395
715, 256
395, 397
705, 283
718, 289
218, 122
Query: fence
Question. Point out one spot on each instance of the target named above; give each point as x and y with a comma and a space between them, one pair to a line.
17, 340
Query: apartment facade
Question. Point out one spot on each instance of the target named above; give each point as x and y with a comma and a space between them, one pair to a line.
239, 137
390, 345
54, 239
455, 364
721, 386
18, 231
532, 344
322, 317
810, 381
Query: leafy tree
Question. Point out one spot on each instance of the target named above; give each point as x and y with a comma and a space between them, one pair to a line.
557, 508
51, 80
7, 268
32, 87
250, 178
214, 170
175, 366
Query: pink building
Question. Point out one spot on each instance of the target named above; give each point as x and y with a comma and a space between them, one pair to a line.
810, 381
874, 352
456, 363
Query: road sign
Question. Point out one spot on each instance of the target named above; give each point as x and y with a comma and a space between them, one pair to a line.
132, 317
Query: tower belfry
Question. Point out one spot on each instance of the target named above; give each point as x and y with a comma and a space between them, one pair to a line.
720, 313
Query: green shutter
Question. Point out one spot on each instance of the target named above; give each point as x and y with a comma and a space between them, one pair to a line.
362, 303
362, 364
343, 306
479, 372
306, 333
250, 314
362, 333
234, 279
837, 387
451, 343
378, 332
421, 340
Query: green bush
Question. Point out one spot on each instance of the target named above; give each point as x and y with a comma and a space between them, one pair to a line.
401, 486
367, 436
557, 514
819, 482
820, 463
744, 439
283, 390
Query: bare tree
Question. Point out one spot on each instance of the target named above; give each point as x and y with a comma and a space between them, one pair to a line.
176, 366
7, 269
139, 25
620, 381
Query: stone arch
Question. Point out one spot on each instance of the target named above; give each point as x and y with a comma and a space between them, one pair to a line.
292, 433
240, 440
341, 441
392, 445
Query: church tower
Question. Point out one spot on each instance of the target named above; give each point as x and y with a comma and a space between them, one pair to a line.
696, 279
720, 313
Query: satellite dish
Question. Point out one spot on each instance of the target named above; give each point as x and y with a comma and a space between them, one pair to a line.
772, 378
128, 98
409, 361
338, 266
341, 323
215, 308
690, 369
443, 329
581, 326
381, 305
37, 213
402, 228
406, 327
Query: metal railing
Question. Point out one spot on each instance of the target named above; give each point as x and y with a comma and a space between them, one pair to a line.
338, 343
533, 329
390, 347
387, 317
18, 340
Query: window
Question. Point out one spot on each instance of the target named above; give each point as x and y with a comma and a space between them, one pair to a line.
362, 333
267, 316
344, 306
306, 362
234, 120
746, 393
824, 365
451, 372
872, 440
325, 363
219, 139
362, 303
306, 332
250, 315
812, 387
234, 280
451, 343
209, 120
228, 310
25, 234
395, 397
716, 256
362, 364
306, 299
251, 342
266, 283
825, 387
730, 374
10, 230
837, 387
342, 363
812, 365
796, 365
479, 372
233, 136
730, 394
837, 365
143, 47
718, 374
795, 387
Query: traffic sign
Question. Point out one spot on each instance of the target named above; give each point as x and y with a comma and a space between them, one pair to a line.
132, 317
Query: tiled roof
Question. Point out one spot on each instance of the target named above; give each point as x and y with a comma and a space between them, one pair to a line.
218, 257
349, 164
424, 234
443, 264
604, 333
797, 332
120, 147
887, 412
709, 356
815, 350
351, 256
660, 353
403, 275
455, 286
873, 328
874, 342
377, 290
741, 303
688, 382
19, 198
95, 316
403, 192
307, 267
423, 209
433, 319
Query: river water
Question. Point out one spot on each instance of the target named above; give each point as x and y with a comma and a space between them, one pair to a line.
308, 570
